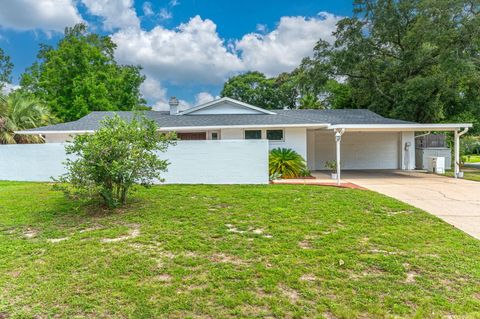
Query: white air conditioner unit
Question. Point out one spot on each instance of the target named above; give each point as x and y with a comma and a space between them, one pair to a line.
436, 164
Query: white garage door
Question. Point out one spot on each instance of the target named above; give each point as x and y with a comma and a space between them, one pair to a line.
359, 150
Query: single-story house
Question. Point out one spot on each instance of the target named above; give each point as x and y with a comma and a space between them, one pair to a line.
356, 138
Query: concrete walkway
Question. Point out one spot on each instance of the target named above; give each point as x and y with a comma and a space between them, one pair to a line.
456, 201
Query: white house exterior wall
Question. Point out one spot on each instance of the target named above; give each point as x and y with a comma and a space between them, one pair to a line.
293, 137
57, 138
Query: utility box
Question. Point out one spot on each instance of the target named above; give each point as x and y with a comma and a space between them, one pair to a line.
423, 154
436, 164
433, 145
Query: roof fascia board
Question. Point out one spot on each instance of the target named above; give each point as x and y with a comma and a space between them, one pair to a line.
178, 128
402, 127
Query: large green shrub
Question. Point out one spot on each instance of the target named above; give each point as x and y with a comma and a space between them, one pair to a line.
117, 157
286, 163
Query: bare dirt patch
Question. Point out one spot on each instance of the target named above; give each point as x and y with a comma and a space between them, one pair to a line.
132, 233
328, 315
381, 251
57, 240
250, 230
305, 244
163, 278
89, 229
411, 275
308, 277
223, 258
30, 233
290, 293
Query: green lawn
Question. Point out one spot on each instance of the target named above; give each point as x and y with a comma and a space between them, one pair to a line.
469, 173
472, 158
273, 251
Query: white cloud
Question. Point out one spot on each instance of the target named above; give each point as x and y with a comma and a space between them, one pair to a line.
203, 97
153, 91
116, 13
46, 15
174, 3
192, 53
165, 14
7, 88
147, 9
262, 28
282, 49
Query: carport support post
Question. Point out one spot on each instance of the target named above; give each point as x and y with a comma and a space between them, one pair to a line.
456, 169
338, 139
457, 151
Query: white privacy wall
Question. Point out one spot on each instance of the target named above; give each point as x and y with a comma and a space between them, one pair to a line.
218, 162
192, 162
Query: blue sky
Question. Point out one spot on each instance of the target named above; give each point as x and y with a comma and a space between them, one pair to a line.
186, 47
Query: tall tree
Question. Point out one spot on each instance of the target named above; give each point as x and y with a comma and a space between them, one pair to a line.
411, 59
80, 75
5, 69
253, 88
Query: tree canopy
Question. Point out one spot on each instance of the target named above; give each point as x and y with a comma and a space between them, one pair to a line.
6, 67
411, 59
253, 88
415, 60
80, 75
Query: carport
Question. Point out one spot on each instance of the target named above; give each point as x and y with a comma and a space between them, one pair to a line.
373, 146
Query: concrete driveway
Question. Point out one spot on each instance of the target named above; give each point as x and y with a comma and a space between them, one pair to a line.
456, 201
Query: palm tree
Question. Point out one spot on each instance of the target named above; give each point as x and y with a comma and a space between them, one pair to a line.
19, 112
310, 101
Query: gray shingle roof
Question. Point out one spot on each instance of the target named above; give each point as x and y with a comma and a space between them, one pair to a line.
283, 117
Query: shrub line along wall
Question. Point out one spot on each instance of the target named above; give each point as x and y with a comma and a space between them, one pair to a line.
191, 162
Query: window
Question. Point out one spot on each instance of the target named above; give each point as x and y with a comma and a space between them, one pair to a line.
253, 134
275, 135
214, 135
192, 136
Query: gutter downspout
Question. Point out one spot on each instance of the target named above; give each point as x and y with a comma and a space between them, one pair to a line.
457, 150
422, 135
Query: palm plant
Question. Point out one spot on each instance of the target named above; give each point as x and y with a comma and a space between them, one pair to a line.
286, 163
19, 112
310, 101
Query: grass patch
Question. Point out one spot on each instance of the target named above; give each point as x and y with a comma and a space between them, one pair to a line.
278, 251
469, 173
472, 158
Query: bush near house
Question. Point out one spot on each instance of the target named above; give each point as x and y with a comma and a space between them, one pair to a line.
286, 163
111, 162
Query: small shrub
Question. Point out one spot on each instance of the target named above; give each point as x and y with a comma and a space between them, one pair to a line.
286, 163
113, 160
331, 165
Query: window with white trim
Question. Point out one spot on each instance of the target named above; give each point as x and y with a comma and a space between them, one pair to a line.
275, 135
253, 134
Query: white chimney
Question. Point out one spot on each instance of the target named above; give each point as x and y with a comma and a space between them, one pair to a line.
173, 103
